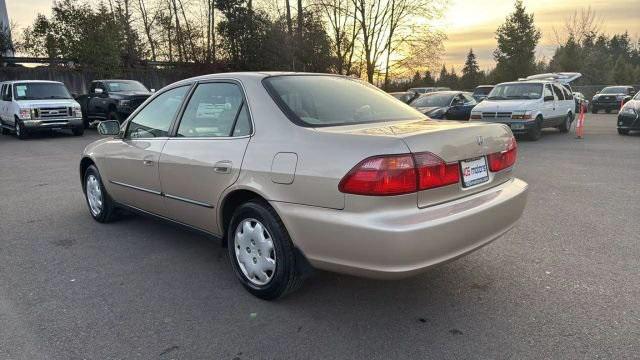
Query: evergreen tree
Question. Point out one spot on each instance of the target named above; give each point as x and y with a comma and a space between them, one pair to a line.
428, 79
443, 78
517, 40
470, 72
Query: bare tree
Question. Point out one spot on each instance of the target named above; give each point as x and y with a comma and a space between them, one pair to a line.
148, 23
578, 26
343, 29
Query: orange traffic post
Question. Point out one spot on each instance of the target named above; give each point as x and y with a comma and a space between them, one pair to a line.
580, 123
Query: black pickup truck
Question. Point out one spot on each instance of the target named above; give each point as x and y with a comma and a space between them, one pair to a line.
112, 100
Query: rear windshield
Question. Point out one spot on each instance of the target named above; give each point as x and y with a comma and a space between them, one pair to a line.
512, 91
614, 90
482, 90
317, 100
433, 100
40, 91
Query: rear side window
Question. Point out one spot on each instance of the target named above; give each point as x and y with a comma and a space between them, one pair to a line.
215, 110
567, 93
156, 117
558, 92
320, 100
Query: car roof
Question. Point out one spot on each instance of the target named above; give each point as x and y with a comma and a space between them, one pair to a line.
247, 75
31, 81
485, 86
442, 92
105, 80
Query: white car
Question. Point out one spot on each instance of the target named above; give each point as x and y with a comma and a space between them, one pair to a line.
34, 105
530, 104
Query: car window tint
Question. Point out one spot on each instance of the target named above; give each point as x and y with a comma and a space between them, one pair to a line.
547, 91
320, 100
155, 119
243, 124
567, 93
212, 111
558, 92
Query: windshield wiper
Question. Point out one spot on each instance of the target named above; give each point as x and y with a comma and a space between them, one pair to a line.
496, 98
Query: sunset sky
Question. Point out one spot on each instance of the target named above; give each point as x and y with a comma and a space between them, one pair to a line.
467, 23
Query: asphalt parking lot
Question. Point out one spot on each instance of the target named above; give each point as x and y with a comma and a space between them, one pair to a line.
565, 283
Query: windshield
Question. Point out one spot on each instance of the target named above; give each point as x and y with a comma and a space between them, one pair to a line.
40, 91
118, 86
316, 100
516, 91
433, 100
614, 90
482, 90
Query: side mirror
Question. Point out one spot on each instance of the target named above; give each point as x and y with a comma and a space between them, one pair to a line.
109, 127
98, 91
548, 98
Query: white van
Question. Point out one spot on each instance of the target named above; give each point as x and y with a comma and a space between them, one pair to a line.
530, 104
34, 105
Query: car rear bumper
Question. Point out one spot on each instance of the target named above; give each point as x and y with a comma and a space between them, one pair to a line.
50, 124
399, 243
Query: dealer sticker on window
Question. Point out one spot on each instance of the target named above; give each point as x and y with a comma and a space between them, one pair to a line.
474, 171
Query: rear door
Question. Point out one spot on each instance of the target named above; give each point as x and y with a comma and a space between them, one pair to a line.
205, 153
132, 167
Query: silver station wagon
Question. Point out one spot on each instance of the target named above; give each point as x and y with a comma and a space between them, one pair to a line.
299, 171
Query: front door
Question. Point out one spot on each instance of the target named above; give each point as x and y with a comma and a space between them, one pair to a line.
205, 155
132, 165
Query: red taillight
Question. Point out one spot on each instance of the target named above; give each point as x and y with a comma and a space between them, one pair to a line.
399, 174
434, 172
381, 176
504, 159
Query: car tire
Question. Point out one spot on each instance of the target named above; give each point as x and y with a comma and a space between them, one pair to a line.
4, 131
79, 131
261, 252
103, 209
535, 132
113, 115
566, 124
623, 131
21, 131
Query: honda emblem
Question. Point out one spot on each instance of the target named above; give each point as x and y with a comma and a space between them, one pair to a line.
480, 140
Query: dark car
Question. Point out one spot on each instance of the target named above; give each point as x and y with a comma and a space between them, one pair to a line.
481, 92
611, 98
449, 105
112, 99
404, 96
629, 116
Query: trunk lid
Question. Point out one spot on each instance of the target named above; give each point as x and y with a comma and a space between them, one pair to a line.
452, 141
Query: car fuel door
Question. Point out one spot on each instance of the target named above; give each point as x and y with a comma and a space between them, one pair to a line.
205, 154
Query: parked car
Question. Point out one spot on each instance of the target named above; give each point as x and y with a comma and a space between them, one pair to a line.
448, 105
580, 101
307, 170
528, 106
33, 105
404, 96
424, 90
629, 116
611, 98
480, 93
112, 99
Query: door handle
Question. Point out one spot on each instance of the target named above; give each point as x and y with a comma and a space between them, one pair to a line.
222, 167
147, 162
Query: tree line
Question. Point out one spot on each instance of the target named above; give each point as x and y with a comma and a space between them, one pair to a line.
374, 39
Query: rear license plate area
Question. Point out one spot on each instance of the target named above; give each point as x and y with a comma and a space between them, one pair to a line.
474, 171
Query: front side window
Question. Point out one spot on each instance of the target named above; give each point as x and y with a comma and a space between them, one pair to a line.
156, 117
215, 110
40, 91
511, 91
321, 100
